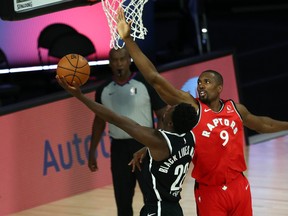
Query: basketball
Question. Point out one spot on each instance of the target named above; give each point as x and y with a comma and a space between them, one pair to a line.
74, 67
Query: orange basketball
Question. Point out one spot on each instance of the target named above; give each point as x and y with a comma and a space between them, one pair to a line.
74, 67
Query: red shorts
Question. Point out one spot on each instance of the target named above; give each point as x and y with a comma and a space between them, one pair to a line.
233, 199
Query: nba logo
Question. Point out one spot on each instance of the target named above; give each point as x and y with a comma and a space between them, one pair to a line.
133, 91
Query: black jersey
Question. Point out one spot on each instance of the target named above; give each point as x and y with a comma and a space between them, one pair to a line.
165, 178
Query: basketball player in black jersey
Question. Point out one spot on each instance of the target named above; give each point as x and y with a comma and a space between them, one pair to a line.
169, 151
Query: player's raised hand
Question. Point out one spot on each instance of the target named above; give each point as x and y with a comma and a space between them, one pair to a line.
123, 27
73, 89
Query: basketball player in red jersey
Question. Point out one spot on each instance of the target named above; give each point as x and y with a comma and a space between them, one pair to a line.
221, 189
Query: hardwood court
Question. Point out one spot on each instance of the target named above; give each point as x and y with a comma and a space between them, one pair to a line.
267, 172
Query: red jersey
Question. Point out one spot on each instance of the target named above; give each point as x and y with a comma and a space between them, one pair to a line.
219, 152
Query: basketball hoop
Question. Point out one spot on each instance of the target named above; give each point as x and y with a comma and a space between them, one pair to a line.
133, 10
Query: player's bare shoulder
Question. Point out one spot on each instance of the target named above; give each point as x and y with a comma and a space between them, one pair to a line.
242, 110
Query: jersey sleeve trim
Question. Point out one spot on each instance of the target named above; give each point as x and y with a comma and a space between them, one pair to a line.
167, 140
235, 108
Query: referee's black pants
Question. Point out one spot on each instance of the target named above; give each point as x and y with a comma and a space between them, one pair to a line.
124, 180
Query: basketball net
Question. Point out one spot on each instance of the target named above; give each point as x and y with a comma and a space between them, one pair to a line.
133, 10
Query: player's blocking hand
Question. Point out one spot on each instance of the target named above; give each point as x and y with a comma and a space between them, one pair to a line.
123, 27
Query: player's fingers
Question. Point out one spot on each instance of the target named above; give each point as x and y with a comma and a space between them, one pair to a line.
93, 167
138, 166
135, 163
141, 158
130, 23
63, 80
120, 13
118, 17
131, 163
60, 80
75, 84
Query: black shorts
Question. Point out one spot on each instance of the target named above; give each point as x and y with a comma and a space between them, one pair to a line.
162, 209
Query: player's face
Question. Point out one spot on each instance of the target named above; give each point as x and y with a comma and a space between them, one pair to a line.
120, 64
208, 88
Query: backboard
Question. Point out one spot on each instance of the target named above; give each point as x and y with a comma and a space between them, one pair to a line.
24, 9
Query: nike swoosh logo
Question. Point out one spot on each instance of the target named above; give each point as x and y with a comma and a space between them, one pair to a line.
151, 214
207, 110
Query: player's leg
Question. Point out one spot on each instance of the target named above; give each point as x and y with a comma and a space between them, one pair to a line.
243, 200
209, 201
124, 180
232, 200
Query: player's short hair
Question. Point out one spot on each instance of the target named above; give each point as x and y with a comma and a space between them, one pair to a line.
218, 76
184, 118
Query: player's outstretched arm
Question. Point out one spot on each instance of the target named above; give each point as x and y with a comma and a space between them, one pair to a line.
261, 124
166, 90
149, 137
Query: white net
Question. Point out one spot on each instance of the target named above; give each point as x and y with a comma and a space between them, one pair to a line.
133, 10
